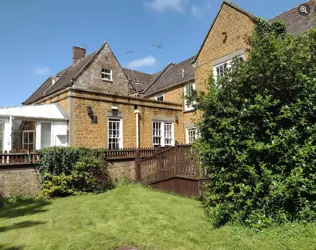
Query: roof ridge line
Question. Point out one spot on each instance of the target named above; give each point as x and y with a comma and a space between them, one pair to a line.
160, 75
92, 58
270, 19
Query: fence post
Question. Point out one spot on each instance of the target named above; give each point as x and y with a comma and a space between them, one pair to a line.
137, 166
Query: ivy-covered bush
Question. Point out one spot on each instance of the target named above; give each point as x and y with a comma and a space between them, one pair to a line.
69, 171
258, 133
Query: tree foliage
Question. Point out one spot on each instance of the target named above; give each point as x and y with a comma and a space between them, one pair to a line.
258, 132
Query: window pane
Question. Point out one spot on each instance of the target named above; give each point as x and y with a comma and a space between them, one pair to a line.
114, 134
156, 133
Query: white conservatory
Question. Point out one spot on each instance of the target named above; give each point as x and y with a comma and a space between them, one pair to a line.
29, 128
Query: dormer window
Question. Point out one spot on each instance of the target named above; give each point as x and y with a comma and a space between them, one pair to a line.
106, 75
55, 79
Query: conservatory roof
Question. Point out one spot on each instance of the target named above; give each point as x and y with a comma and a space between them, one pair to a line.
37, 112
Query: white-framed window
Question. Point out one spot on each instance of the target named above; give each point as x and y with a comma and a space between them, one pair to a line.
168, 134
160, 98
221, 69
1, 136
191, 135
115, 133
188, 91
28, 140
106, 74
157, 133
163, 133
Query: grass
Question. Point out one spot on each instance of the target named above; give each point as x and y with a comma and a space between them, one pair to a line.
135, 216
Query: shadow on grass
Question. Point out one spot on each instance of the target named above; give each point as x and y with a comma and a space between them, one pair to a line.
20, 225
24, 206
5, 247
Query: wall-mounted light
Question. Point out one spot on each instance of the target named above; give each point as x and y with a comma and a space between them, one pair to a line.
94, 118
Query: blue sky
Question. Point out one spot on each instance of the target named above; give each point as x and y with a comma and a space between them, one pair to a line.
37, 36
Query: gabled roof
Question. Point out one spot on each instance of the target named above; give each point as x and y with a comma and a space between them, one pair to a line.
173, 76
65, 78
296, 23
140, 81
225, 2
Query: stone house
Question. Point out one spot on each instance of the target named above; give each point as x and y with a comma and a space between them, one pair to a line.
111, 107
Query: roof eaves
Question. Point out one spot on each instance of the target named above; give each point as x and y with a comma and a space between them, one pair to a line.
23, 103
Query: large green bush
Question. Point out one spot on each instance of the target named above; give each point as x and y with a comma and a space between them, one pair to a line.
258, 133
69, 171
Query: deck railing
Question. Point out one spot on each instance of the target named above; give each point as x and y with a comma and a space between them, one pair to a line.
13, 158
18, 158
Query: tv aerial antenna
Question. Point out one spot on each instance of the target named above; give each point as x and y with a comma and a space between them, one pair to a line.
131, 75
159, 47
129, 52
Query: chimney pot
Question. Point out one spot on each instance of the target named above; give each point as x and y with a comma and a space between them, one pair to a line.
77, 54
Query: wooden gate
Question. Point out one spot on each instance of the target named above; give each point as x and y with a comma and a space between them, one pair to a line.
172, 169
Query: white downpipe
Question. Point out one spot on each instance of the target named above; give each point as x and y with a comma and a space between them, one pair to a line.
137, 128
10, 133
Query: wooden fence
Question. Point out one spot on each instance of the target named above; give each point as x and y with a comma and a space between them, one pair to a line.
173, 169
180, 160
122, 154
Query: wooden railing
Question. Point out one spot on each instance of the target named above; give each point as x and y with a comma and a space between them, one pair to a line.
180, 160
18, 158
13, 158
129, 153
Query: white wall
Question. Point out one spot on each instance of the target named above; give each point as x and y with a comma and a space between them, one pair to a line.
58, 134
7, 134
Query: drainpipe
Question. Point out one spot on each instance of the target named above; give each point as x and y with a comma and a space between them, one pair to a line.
136, 111
10, 137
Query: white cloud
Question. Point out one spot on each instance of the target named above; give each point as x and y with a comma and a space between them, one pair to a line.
41, 70
196, 11
142, 62
163, 5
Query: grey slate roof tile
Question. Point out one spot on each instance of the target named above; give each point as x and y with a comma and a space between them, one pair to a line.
64, 81
296, 23
171, 75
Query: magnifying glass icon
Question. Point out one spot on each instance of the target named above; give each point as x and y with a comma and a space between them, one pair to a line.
303, 9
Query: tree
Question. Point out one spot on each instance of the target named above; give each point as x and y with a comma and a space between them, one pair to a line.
258, 132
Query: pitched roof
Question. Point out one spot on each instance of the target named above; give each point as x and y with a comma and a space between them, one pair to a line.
139, 81
296, 23
251, 16
173, 76
64, 78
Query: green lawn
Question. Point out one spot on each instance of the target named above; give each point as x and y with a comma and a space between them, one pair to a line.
137, 216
